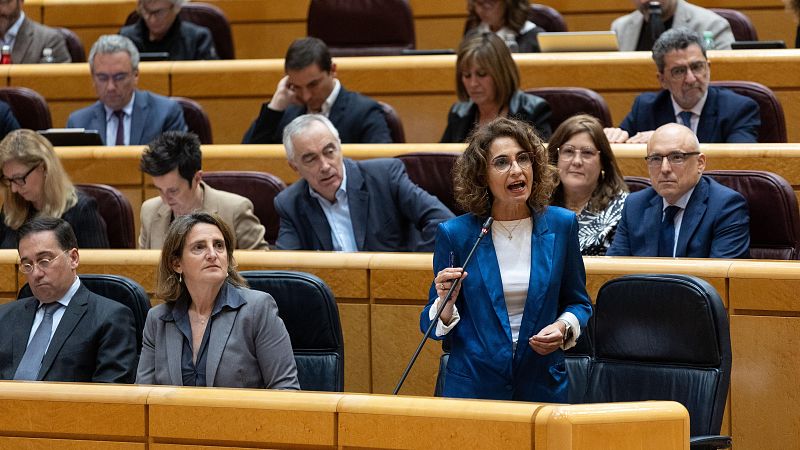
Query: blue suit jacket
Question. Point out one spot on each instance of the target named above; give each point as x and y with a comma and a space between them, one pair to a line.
715, 224
358, 118
726, 117
8, 122
481, 364
152, 115
385, 207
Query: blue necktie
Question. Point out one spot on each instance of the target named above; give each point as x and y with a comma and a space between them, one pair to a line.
686, 118
28, 368
120, 127
666, 238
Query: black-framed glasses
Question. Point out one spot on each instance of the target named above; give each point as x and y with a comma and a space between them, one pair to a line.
104, 78
42, 264
157, 14
698, 68
503, 164
674, 158
19, 181
568, 152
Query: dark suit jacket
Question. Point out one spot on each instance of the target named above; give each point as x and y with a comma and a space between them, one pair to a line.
152, 115
8, 122
94, 342
530, 108
384, 206
482, 363
185, 41
358, 119
726, 117
715, 224
34, 37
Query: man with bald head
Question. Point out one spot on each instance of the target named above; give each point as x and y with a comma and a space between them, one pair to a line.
684, 214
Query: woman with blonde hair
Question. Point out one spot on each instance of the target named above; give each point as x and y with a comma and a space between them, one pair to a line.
35, 184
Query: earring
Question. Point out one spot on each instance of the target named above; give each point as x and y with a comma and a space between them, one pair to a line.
602, 174
180, 278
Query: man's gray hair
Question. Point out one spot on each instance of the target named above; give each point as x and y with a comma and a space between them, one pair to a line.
113, 43
299, 125
675, 39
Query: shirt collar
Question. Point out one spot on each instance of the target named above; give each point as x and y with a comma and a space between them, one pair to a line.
12, 32
127, 108
69, 294
325, 110
341, 193
696, 109
227, 296
681, 203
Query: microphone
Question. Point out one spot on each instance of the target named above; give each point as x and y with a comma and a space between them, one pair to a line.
484, 231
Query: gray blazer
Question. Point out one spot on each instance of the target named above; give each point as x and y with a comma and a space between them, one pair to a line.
248, 346
33, 38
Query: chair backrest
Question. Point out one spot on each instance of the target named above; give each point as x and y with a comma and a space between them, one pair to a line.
308, 309
433, 172
394, 123
74, 45
117, 288
773, 123
566, 102
209, 16
741, 26
259, 187
637, 183
547, 18
116, 211
28, 106
362, 27
662, 337
774, 216
196, 119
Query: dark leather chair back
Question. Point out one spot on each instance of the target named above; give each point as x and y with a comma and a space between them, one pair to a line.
116, 211
741, 26
566, 102
117, 288
773, 123
547, 18
662, 337
433, 171
362, 27
28, 106
74, 45
394, 123
637, 183
209, 16
308, 309
259, 187
774, 216
196, 119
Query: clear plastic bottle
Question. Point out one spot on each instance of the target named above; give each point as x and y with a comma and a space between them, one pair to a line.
47, 56
5, 54
708, 40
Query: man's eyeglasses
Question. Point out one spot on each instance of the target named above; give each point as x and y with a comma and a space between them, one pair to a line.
42, 264
698, 68
104, 78
503, 164
674, 159
157, 14
568, 152
19, 181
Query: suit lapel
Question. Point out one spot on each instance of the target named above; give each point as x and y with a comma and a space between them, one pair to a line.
486, 262
339, 107
707, 127
174, 340
695, 210
141, 109
220, 332
75, 310
664, 112
99, 121
23, 41
652, 224
22, 331
632, 30
358, 202
310, 209
160, 225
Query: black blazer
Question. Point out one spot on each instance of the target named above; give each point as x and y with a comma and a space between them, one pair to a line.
94, 342
358, 119
185, 41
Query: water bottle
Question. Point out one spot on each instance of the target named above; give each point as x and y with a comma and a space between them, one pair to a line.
47, 56
5, 54
708, 40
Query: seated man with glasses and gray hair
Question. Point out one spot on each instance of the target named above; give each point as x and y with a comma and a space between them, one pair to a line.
715, 115
684, 214
124, 115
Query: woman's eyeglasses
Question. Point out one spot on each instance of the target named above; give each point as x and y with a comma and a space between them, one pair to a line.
568, 152
19, 181
503, 164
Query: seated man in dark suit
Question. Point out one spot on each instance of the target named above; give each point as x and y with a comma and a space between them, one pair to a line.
716, 115
347, 205
311, 86
124, 115
29, 39
684, 214
64, 332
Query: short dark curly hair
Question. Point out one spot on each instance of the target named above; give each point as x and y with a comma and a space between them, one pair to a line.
470, 179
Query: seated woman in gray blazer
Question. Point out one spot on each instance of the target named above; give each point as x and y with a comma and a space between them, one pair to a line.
212, 330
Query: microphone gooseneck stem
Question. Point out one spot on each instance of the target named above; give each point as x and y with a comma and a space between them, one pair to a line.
484, 231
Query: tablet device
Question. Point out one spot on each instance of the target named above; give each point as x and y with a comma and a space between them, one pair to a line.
428, 51
67, 137
578, 41
751, 45
153, 56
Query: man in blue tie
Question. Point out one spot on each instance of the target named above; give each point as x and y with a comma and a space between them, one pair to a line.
684, 214
715, 115
64, 332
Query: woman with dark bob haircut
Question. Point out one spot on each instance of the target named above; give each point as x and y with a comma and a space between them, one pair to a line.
487, 84
523, 297
212, 330
591, 184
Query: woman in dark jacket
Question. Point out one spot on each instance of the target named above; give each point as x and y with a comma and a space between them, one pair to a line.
159, 29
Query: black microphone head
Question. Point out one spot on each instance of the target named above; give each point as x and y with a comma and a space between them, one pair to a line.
486, 226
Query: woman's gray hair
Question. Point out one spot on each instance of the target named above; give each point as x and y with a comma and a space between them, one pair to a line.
299, 125
675, 39
113, 43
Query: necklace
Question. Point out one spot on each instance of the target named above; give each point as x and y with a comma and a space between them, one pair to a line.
507, 232
201, 318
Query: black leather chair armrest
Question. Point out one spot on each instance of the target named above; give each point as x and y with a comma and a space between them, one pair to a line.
709, 442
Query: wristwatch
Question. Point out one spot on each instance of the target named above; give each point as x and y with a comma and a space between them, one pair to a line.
567, 329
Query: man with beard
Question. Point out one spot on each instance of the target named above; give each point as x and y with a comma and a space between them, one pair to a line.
27, 38
715, 115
